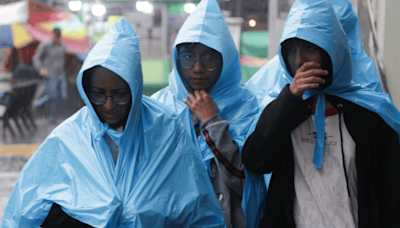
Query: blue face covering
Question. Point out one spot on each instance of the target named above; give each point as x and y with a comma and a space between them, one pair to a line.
315, 21
236, 104
158, 180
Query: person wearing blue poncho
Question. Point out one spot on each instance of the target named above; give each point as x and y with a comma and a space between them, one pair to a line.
217, 110
332, 146
365, 72
124, 160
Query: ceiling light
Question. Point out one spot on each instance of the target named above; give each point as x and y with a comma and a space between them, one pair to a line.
252, 23
145, 7
98, 10
189, 7
75, 5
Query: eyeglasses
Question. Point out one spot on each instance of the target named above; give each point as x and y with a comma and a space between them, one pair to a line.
209, 62
100, 99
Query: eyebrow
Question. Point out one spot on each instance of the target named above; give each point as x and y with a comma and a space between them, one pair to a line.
207, 52
210, 52
114, 90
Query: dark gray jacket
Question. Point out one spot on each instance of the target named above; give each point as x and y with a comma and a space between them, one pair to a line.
227, 167
51, 57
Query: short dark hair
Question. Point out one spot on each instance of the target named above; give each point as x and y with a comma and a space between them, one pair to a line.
57, 31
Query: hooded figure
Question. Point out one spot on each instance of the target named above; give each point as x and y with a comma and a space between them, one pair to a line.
221, 138
156, 179
335, 168
364, 69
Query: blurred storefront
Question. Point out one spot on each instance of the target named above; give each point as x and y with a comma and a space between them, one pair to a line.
253, 52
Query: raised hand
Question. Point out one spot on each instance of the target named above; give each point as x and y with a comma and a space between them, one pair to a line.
308, 76
43, 73
201, 105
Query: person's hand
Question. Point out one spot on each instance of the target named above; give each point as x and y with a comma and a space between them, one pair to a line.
202, 105
308, 76
43, 73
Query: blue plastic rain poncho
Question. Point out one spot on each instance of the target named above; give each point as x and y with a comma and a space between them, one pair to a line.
364, 69
315, 21
235, 103
158, 180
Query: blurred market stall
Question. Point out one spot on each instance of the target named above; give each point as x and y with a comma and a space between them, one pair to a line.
23, 22
23, 25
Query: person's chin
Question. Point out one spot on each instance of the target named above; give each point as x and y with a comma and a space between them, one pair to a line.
110, 120
201, 84
198, 87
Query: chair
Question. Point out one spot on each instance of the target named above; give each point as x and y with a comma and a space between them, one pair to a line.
17, 103
7, 103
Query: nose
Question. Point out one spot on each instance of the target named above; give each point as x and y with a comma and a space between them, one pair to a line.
109, 104
198, 67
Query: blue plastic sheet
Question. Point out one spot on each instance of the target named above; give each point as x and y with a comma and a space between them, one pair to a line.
235, 103
158, 180
316, 21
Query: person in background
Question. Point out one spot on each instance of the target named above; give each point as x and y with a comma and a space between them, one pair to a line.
332, 146
49, 60
217, 110
123, 160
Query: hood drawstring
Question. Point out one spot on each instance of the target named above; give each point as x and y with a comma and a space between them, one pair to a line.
320, 129
101, 132
340, 107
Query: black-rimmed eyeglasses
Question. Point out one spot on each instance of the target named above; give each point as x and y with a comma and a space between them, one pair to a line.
100, 99
209, 62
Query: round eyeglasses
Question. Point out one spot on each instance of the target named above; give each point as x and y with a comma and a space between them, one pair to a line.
100, 99
209, 62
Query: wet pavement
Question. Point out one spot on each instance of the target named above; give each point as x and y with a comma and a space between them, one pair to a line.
15, 152
8, 180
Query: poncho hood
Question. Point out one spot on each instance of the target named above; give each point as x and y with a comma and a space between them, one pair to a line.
207, 26
158, 180
236, 104
315, 21
118, 51
365, 73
